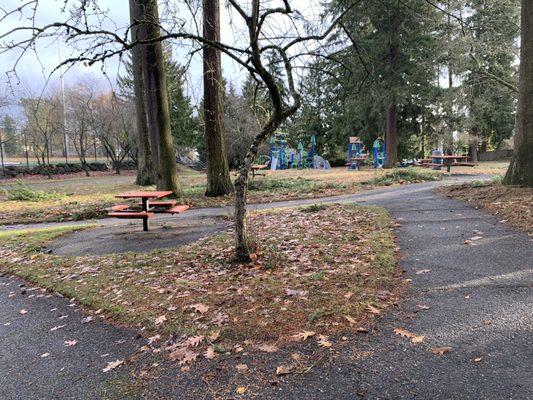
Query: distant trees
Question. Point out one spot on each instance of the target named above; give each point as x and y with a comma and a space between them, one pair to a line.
43, 125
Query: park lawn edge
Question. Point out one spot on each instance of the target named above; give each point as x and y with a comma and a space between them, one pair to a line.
513, 205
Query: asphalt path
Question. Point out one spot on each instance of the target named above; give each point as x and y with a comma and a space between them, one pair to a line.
477, 300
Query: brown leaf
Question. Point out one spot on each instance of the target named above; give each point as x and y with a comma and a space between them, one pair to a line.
268, 348
284, 369
373, 310
112, 365
323, 341
422, 271
241, 367
210, 353
304, 335
240, 390
439, 351
350, 320
159, 320
406, 334
200, 308
193, 341
184, 355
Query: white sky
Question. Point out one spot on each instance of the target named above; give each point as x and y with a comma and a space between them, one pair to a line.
34, 71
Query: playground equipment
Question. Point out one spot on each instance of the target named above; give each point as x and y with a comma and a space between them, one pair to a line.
355, 153
379, 153
283, 157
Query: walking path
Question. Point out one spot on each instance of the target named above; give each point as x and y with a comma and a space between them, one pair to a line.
480, 299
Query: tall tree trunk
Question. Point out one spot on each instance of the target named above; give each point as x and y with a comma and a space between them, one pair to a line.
391, 140
145, 167
520, 171
218, 178
156, 100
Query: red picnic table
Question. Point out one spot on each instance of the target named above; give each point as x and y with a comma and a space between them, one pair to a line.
449, 160
148, 206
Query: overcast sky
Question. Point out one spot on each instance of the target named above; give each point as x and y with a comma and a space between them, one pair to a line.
34, 71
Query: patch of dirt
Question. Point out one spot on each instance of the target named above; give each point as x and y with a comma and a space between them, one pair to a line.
513, 205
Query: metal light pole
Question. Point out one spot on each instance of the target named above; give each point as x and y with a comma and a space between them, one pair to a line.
65, 137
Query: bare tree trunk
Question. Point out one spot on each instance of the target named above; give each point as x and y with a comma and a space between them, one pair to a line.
520, 171
145, 168
156, 100
218, 178
391, 140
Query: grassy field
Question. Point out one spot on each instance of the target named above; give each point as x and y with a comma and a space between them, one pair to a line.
325, 270
78, 198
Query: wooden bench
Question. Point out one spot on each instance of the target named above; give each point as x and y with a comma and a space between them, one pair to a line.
163, 203
119, 207
133, 215
256, 168
177, 209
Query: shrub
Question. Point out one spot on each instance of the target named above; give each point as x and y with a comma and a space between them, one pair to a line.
21, 192
407, 175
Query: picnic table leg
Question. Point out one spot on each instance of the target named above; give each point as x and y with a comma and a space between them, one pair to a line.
145, 209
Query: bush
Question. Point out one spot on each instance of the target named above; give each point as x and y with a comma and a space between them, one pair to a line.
407, 175
21, 192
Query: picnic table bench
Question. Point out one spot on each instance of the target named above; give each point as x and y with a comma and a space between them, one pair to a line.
148, 207
448, 161
257, 168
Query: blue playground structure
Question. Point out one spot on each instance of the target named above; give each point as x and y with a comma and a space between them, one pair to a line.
283, 157
357, 157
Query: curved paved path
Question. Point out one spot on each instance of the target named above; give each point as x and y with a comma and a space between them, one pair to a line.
480, 298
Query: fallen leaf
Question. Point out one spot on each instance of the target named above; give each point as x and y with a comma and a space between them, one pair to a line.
477, 359
422, 271
323, 341
44, 355
210, 353
284, 370
241, 367
153, 339
23, 311
350, 319
240, 390
184, 355
159, 320
112, 365
55, 328
304, 335
268, 348
214, 336
373, 310
69, 343
362, 330
439, 351
86, 320
200, 308
348, 295
193, 341
406, 334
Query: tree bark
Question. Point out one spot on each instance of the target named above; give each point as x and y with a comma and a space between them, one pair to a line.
391, 140
156, 100
520, 170
145, 167
218, 177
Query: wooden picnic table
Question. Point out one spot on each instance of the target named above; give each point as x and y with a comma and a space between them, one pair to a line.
145, 197
448, 160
